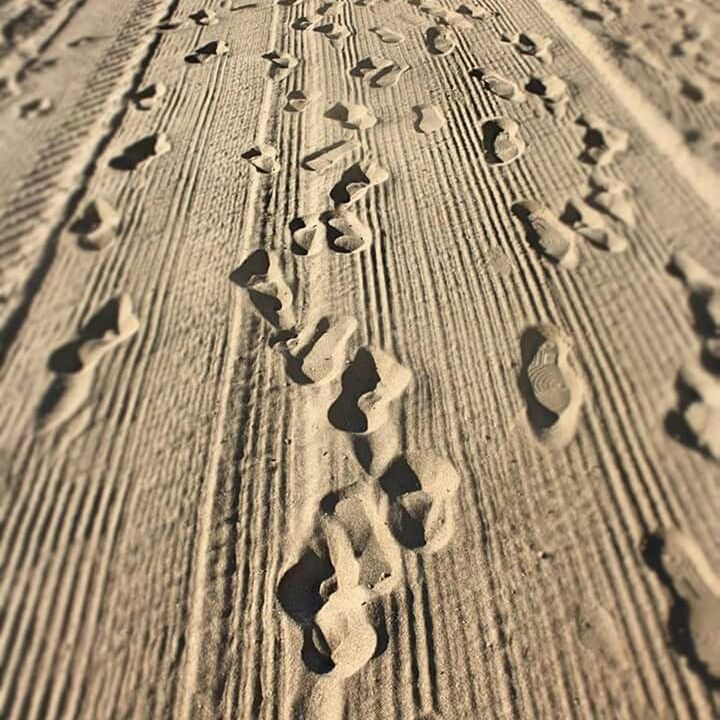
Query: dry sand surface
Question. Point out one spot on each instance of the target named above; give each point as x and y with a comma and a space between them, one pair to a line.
360, 359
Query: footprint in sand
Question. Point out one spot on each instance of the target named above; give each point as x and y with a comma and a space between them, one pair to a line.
74, 363
306, 23
533, 44
499, 85
389, 36
587, 222
388, 76
429, 118
421, 487
553, 91
440, 40
149, 148
150, 96
442, 15
353, 116
297, 100
349, 561
281, 65
346, 233
356, 181
612, 197
327, 157
317, 353
700, 408
547, 234
98, 225
336, 33
694, 621
502, 141
370, 384
208, 52
35, 108
602, 141
331, 8
704, 287
475, 12
554, 391
308, 235
263, 157
204, 17
261, 276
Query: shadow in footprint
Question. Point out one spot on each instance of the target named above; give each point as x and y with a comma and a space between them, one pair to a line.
676, 426
678, 625
398, 480
135, 154
361, 377
294, 361
354, 175
65, 359
523, 215
255, 265
299, 595
491, 131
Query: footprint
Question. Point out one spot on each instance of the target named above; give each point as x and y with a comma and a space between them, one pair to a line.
429, 118
97, 227
593, 226
308, 235
261, 276
442, 15
325, 158
612, 197
553, 91
362, 513
602, 141
35, 108
352, 115
298, 100
475, 12
694, 621
74, 363
499, 85
701, 408
440, 40
346, 233
421, 487
342, 632
534, 44
263, 157
554, 391
388, 76
150, 147
207, 52
331, 8
150, 95
370, 384
704, 286
356, 181
391, 37
547, 234
502, 141
350, 560
204, 17
337, 34
281, 65
369, 65
306, 23
317, 353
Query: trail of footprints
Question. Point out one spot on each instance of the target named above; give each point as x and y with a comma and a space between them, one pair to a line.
403, 499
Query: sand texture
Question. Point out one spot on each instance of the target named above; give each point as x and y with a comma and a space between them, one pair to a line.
360, 360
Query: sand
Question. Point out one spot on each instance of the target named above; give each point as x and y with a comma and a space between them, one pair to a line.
359, 359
